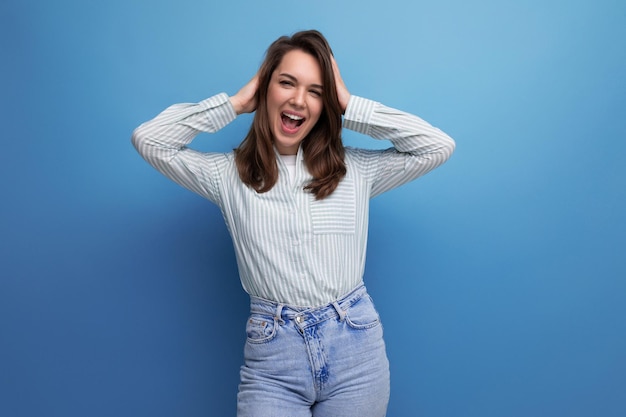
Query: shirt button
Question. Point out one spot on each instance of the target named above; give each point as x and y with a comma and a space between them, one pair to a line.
299, 319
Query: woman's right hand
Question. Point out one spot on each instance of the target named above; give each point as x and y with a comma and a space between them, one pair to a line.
245, 99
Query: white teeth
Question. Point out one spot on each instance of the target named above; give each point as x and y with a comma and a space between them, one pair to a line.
293, 116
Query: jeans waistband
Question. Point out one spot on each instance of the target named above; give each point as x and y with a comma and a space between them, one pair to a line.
305, 316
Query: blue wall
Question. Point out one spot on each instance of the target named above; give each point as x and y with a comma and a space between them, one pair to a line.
500, 277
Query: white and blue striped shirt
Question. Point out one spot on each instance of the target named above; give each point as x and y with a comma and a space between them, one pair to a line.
291, 248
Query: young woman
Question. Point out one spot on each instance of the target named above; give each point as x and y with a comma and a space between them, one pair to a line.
296, 204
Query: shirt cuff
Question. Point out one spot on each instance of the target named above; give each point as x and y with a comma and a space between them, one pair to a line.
358, 114
222, 110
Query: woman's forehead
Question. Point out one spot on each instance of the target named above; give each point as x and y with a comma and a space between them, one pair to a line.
300, 65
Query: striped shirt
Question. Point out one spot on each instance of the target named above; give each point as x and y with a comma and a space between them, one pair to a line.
290, 247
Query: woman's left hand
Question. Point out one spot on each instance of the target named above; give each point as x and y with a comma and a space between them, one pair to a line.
342, 92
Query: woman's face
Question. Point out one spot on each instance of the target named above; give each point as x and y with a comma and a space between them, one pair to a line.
294, 100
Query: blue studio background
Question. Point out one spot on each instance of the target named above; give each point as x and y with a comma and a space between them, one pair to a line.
500, 277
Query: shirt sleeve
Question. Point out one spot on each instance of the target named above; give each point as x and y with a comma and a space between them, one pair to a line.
163, 141
417, 148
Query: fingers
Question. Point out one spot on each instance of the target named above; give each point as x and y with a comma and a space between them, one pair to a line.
342, 91
244, 101
253, 84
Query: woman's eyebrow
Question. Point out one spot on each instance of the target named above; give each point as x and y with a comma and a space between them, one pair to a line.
291, 77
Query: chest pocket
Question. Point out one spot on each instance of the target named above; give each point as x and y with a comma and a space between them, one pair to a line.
337, 212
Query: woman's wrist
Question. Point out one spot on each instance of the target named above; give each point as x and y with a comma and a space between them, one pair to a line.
236, 105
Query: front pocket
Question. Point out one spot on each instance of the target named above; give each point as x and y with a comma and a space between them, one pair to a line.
260, 328
362, 314
337, 212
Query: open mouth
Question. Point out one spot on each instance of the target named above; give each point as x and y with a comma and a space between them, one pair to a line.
291, 121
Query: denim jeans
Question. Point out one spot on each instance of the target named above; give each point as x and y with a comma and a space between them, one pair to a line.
322, 362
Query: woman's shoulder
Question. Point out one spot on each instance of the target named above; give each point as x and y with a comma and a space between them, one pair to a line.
220, 160
362, 154
362, 160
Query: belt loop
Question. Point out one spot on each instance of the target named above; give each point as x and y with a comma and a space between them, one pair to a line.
278, 314
342, 314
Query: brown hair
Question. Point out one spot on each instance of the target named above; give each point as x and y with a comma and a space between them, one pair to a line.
322, 148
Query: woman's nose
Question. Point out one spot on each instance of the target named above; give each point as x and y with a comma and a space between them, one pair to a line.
298, 98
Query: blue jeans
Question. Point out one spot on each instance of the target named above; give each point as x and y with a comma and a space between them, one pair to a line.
322, 362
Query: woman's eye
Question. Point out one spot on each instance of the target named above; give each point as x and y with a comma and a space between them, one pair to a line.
285, 82
316, 93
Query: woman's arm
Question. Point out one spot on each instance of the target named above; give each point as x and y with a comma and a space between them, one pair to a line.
163, 141
417, 149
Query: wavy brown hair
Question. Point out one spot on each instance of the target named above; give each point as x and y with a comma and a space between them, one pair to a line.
322, 148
